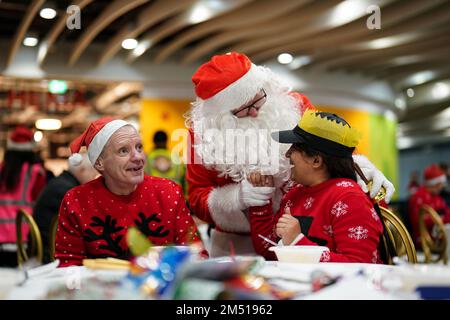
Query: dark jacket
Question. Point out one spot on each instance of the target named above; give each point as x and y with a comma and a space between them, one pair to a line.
48, 203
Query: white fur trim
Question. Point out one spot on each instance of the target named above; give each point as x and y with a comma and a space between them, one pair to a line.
435, 181
224, 206
25, 146
75, 159
236, 94
101, 138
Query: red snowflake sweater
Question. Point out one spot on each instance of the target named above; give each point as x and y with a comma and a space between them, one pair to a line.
93, 221
424, 197
335, 213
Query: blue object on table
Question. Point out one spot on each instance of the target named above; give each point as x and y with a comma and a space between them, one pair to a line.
434, 292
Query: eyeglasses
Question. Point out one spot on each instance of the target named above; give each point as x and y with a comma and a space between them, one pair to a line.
256, 104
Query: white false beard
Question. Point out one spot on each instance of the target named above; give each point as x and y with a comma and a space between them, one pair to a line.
280, 112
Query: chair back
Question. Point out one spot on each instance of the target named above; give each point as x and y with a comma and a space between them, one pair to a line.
35, 238
52, 237
432, 244
398, 236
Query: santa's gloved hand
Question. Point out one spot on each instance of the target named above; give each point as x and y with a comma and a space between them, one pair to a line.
250, 196
376, 176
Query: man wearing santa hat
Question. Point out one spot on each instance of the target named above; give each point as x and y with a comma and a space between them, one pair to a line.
236, 98
94, 217
429, 194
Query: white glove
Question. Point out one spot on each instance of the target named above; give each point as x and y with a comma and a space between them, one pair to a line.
250, 196
376, 176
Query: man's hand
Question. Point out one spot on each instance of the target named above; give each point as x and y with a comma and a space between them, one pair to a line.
250, 196
376, 176
288, 227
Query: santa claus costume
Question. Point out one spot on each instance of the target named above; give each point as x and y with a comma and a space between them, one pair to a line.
433, 176
93, 221
216, 190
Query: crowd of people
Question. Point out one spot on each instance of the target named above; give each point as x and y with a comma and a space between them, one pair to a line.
296, 185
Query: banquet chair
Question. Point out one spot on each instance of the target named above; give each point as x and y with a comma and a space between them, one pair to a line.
398, 236
52, 237
434, 246
35, 244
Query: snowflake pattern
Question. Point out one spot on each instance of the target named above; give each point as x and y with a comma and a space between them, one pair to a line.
374, 214
308, 202
339, 208
358, 233
328, 229
344, 184
375, 256
325, 257
288, 204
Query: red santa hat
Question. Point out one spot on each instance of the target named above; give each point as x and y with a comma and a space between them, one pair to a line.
20, 139
227, 81
94, 138
434, 175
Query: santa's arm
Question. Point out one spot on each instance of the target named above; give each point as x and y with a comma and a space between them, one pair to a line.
220, 205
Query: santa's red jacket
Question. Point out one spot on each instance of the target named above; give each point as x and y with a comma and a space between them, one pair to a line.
215, 200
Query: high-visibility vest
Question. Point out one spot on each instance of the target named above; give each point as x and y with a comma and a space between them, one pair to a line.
173, 171
19, 198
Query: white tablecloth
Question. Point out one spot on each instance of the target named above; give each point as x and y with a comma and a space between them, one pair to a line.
356, 281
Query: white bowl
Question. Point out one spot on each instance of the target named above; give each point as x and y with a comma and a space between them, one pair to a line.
299, 254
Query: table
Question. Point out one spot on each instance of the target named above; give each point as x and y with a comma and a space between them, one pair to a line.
357, 280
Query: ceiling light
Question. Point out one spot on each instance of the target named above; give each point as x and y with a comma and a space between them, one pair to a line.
48, 12
440, 90
421, 77
410, 92
48, 124
285, 58
129, 44
347, 11
141, 48
389, 115
30, 41
38, 136
400, 103
299, 62
199, 13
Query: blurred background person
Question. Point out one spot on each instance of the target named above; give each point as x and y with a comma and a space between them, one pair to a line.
161, 164
414, 183
445, 193
22, 178
429, 194
48, 203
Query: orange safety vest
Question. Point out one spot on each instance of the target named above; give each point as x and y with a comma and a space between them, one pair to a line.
20, 198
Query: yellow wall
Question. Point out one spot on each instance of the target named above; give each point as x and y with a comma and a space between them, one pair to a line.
358, 120
161, 114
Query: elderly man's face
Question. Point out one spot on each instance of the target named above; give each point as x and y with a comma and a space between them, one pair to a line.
122, 161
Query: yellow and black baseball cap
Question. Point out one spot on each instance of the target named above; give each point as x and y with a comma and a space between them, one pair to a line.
324, 132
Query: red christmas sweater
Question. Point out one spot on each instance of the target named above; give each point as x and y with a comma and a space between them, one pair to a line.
424, 197
93, 221
335, 213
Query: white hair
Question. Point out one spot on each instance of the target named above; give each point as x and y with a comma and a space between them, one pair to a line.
280, 112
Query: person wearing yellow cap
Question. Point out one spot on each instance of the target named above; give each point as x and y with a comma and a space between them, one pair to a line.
327, 207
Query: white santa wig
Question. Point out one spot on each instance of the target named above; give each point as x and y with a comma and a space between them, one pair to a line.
281, 111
